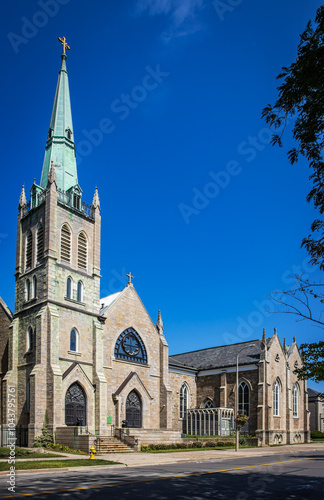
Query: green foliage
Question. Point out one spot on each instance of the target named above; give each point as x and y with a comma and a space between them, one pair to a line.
301, 98
313, 362
242, 440
317, 435
186, 445
46, 437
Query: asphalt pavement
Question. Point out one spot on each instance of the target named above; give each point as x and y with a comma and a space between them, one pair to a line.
288, 472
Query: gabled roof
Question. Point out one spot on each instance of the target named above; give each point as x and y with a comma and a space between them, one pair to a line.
6, 309
107, 302
219, 357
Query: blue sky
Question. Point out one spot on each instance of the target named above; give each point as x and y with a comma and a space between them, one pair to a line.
182, 85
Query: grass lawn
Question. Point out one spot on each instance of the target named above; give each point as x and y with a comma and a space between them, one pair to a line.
25, 453
53, 464
61, 448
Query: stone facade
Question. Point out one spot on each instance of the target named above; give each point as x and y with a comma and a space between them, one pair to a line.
102, 363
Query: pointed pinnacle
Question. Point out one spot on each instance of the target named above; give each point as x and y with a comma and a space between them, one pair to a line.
96, 201
52, 175
22, 199
284, 344
159, 323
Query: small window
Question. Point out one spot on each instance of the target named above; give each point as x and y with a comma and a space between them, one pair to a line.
65, 244
295, 400
29, 250
69, 283
80, 292
34, 287
30, 339
184, 399
76, 201
40, 243
244, 399
276, 398
27, 290
74, 340
82, 251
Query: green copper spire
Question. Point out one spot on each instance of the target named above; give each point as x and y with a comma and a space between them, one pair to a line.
60, 147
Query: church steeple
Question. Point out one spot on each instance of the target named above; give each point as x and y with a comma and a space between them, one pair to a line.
60, 147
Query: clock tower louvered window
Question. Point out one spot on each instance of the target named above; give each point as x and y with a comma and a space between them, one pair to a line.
65, 244
29, 250
82, 251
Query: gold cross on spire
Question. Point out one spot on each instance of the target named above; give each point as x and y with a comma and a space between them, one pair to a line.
129, 275
63, 42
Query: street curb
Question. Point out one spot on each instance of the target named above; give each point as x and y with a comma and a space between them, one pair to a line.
62, 469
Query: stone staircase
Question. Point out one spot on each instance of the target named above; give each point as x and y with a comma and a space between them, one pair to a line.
110, 444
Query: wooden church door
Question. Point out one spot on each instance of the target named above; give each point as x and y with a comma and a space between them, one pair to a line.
75, 405
133, 410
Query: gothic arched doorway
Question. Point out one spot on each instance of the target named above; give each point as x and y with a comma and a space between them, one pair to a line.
75, 405
133, 410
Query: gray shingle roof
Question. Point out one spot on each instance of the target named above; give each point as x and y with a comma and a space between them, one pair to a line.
311, 393
218, 357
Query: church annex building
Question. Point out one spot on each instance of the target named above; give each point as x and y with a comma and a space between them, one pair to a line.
100, 364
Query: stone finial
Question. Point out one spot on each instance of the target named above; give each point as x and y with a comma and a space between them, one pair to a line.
275, 330
96, 201
284, 345
22, 199
264, 337
294, 339
52, 175
159, 323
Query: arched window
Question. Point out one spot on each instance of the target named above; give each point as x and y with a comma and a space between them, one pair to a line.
82, 251
276, 397
295, 400
69, 287
34, 287
130, 347
30, 339
184, 400
40, 243
65, 244
80, 292
208, 404
244, 399
29, 250
74, 340
27, 290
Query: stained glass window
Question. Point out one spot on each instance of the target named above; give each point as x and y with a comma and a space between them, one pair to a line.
129, 346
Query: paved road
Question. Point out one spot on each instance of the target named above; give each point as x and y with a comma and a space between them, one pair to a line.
292, 476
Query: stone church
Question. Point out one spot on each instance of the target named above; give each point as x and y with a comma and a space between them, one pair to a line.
101, 364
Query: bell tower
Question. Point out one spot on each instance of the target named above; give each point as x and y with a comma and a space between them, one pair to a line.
56, 323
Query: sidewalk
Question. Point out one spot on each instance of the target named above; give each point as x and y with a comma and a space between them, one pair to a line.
144, 459
147, 459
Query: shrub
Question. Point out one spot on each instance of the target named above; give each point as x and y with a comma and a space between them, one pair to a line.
46, 437
243, 441
317, 435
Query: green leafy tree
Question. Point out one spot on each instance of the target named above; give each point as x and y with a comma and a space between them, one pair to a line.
313, 366
301, 100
